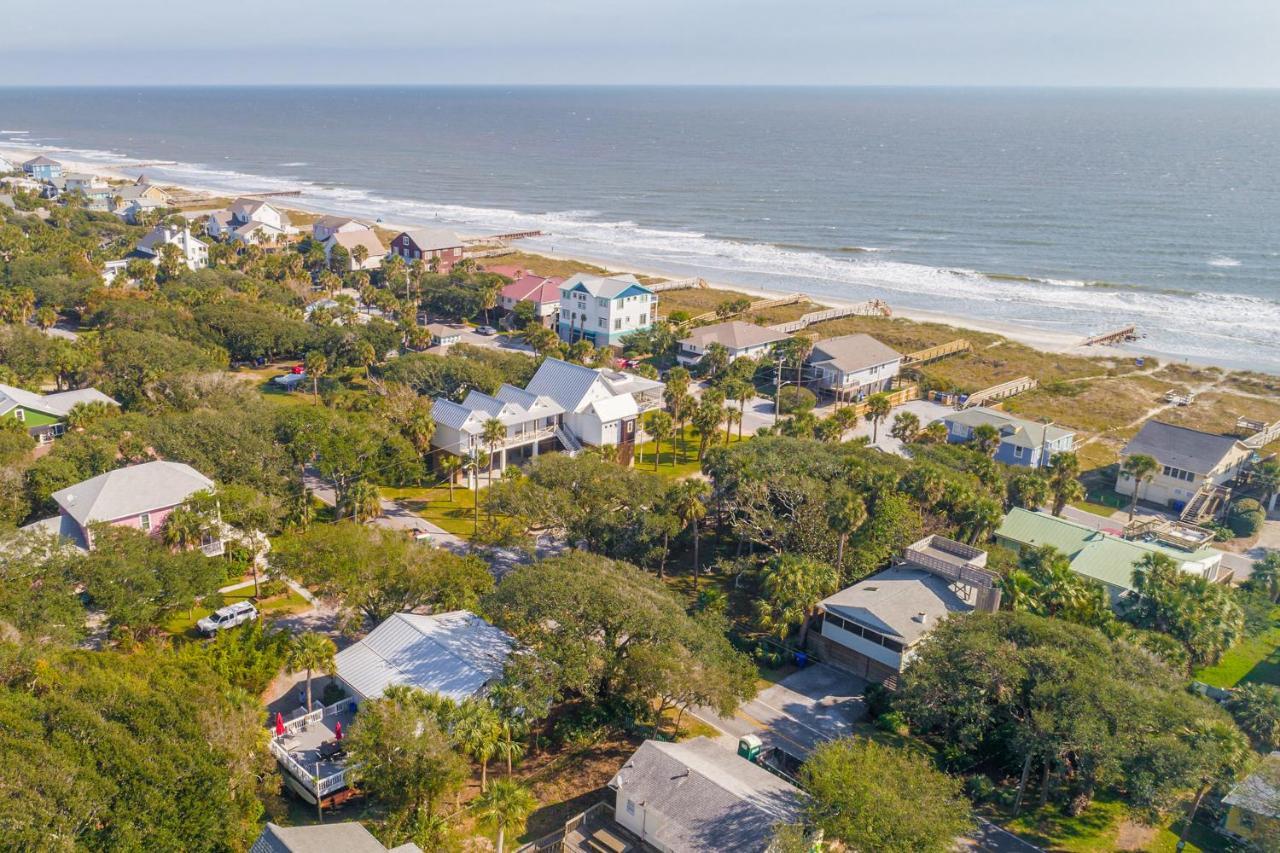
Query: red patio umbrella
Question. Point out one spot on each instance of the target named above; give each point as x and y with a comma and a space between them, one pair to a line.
279, 724
337, 730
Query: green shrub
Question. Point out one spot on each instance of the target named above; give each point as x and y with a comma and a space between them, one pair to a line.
1246, 517
894, 722
878, 699
333, 692
980, 788
793, 399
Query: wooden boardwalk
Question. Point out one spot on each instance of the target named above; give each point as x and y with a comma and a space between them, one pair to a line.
677, 284
999, 392
870, 308
1117, 336
925, 356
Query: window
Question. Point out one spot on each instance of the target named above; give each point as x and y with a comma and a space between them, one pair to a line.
644, 318
617, 324
1017, 452
20, 414
631, 807
144, 521
604, 324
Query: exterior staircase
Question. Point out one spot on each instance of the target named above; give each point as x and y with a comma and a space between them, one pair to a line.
568, 441
1205, 504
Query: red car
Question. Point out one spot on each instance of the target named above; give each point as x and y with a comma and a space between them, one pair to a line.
298, 368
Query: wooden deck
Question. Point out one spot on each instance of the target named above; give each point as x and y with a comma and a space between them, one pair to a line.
925, 356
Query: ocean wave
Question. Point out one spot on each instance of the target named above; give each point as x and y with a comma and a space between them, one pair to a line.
295, 163
1215, 327
1223, 261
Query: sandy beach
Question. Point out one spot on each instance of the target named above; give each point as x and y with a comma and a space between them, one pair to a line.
1040, 339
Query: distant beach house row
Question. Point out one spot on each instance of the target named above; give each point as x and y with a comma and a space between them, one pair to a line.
1022, 442
604, 310
140, 496
45, 415
564, 407
248, 220
1102, 556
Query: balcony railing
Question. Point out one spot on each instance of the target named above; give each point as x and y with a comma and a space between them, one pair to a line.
215, 548
647, 403
523, 438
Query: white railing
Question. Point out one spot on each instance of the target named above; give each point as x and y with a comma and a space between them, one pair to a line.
870, 308
569, 441
213, 549
528, 436
676, 284
646, 404
316, 785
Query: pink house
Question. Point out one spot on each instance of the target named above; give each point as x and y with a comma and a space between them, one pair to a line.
140, 496
542, 293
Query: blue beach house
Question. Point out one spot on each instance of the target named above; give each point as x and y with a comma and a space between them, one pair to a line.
605, 310
1022, 442
42, 168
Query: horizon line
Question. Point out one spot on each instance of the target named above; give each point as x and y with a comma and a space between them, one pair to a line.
683, 85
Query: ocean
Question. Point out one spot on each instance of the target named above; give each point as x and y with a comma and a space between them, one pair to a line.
1067, 211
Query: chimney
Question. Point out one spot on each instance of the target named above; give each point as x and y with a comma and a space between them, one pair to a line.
921, 617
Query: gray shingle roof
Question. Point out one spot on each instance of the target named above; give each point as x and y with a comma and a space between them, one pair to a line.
1014, 430
349, 837
891, 601
735, 335
130, 491
454, 654
434, 239
851, 353
1181, 447
53, 404
710, 798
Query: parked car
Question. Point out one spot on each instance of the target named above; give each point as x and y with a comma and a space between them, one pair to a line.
227, 617
298, 369
486, 330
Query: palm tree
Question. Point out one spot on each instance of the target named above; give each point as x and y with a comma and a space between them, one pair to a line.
360, 254
309, 652
845, 513
1222, 749
365, 356
732, 416
1266, 575
495, 433
471, 465
740, 390
689, 506
450, 465
878, 408
184, 528
317, 365
1141, 468
363, 501
489, 298
662, 428
1063, 470
1267, 477
676, 396
510, 748
46, 316
504, 808
905, 427
478, 731
986, 439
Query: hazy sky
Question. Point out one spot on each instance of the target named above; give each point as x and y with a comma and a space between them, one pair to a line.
955, 42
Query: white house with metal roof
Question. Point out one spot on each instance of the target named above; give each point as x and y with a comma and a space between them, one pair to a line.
193, 251
248, 220
697, 795
455, 654
564, 406
140, 496
605, 310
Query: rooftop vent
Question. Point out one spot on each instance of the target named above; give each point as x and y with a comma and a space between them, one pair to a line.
921, 617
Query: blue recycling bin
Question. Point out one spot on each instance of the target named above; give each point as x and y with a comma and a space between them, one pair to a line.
802, 659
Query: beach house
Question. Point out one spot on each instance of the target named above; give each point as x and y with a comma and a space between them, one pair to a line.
435, 247
193, 251
852, 367
541, 293
1105, 557
456, 654
326, 226
1194, 468
45, 415
364, 239
604, 310
740, 340
1253, 806
345, 837
1022, 442
564, 407
42, 168
873, 627
83, 182
129, 200
141, 496
248, 220
697, 795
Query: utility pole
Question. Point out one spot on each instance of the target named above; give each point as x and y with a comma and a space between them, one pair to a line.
777, 390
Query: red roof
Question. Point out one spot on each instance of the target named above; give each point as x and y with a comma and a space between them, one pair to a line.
534, 288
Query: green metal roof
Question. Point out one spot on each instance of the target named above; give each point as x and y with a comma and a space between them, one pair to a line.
1093, 553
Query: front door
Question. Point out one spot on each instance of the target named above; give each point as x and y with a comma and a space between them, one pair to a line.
627, 442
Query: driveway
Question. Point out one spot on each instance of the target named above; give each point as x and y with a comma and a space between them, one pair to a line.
809, 706
926, 411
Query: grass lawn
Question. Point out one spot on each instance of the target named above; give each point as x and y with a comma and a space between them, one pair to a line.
184, 625
433, 504
1105, 826
700, 300
678, 461
1095, 509
1254, 659
540, 265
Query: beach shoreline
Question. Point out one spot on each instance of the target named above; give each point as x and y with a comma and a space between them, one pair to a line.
1041, 339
